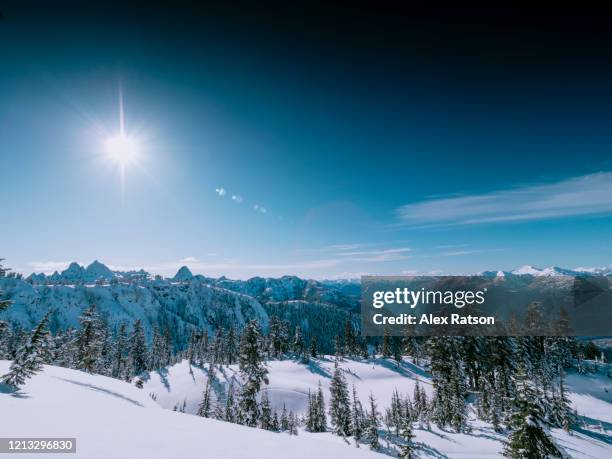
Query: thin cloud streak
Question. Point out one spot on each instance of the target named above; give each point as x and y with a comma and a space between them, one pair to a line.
579, 196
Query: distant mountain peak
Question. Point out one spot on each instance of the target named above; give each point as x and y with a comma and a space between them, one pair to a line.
183, 274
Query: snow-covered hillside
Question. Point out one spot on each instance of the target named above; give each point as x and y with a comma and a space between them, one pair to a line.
290, 382
113, 419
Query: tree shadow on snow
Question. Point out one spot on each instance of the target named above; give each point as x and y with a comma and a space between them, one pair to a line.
12, 391
316, 368
602, 437
101, 389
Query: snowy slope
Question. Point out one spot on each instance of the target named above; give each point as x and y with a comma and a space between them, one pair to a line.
113, 419
290, 382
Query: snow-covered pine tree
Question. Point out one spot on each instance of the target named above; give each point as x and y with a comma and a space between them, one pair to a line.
350, 342
4, 329
393, 415
284, 419
373, 423
218, 347
310, 413
459, 392
420, 402
299, 349
229, 414
274, 337
357, 417
253, 373
339, 405
293, 424
90, 340
29, 358
275, 422
266, 418
321, 417
406, 449
138, 350
159, 352
313, 347
121, 368
231, 350
561, 413
386, 344
105, 360
529, 437
205, 407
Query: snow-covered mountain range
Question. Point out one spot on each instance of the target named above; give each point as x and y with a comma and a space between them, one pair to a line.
188, 302
287, 286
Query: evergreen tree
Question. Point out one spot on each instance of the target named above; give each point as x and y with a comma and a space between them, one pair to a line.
298, 343
205, 407
89, 341
293, 424
121, 368
284, 419
386, 344
229, 414
4, 329
357, 417
373, 425
407, 447
231, 350
159, 357
275, 336
350, 343
266, 418
29, 358
339, 406
313, 347
253, 373
138, 350
394, 412
529, 438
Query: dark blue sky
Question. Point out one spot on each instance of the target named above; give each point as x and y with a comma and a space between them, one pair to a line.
377, 141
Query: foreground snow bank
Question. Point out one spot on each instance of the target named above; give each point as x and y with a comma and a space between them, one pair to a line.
113, 419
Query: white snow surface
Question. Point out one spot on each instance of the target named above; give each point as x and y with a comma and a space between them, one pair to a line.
113, 419
290, 381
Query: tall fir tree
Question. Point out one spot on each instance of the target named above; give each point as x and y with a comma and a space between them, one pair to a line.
90, 340
205, 408
529, 437
138, 350
406, 449
373, 425
229, 413
339, 405
253, 372
30, 357
357, 417
266, 418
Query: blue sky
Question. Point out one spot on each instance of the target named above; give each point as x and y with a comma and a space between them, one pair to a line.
260, 160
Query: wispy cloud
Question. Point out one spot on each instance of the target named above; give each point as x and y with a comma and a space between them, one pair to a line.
458, 253
377, 255
260, 209
332, 248
48, 267
579, 196
189, 260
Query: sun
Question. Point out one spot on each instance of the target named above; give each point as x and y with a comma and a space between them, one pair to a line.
122, 149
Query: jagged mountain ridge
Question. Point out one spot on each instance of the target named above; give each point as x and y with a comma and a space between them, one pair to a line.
186, 301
